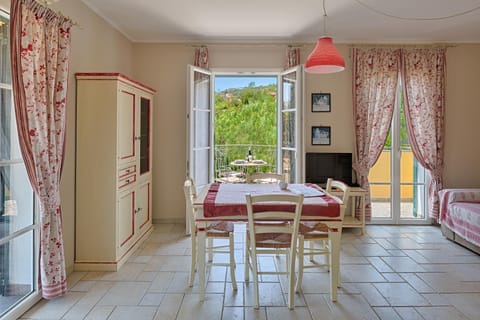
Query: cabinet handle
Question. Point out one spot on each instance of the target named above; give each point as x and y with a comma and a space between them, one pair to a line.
138, 138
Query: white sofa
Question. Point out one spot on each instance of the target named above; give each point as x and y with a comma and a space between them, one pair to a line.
460, 216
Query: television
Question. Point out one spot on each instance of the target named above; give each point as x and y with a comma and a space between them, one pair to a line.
319, 166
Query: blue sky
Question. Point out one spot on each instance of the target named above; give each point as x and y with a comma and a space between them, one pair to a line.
226, 82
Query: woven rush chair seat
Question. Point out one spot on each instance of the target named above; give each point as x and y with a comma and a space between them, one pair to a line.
220, 229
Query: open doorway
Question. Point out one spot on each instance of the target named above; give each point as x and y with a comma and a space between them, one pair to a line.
288, 160
245, 126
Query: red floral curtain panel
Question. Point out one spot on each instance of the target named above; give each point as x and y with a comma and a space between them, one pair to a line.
375, 80
201, 57
40, 50
423, 78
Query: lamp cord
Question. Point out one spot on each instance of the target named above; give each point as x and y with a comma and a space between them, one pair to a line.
411, 18
324, 19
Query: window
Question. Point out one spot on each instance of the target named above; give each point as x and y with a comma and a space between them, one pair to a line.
17, 220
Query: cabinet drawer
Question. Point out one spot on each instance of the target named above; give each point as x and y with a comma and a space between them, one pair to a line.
126, 180
126, 171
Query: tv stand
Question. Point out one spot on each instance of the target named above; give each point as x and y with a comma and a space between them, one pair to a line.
357, 196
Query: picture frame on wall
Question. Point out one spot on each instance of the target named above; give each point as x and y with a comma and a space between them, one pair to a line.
321, 135
321, 102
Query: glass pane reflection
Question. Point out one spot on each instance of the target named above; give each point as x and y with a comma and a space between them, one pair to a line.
16, 270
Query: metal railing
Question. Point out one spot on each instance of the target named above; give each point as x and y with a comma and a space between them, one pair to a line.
227, 153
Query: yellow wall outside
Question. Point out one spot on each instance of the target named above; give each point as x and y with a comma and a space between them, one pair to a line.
381, 173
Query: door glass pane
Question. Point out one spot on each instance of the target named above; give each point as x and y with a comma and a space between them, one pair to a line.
201, 160
288, 165
144, 135
16, 270
5, 70
380, 187
381, 195
16, 199
201, 91
201, 129
289, 81
412, 188
288, 129
412, 177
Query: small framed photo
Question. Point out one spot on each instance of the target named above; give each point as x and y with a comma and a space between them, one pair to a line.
321, 102
321, 136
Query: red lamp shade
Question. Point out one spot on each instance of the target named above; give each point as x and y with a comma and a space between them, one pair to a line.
324, 58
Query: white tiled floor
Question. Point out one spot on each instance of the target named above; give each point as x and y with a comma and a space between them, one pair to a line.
392, 272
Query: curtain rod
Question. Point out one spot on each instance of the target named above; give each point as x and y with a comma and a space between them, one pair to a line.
245, 45
399, 46
47, 4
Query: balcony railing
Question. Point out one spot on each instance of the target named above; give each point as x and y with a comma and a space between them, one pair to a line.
227, 153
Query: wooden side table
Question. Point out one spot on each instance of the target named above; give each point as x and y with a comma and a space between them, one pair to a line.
357, 196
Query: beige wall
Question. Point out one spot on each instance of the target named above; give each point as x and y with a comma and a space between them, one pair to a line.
164, 67
462, 139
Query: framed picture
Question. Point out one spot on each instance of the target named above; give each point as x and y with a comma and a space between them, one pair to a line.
321, 136
321, 102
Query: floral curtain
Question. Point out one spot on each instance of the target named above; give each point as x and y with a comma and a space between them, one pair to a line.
292, 57
375, 79
201, 57
40, 50
423, 78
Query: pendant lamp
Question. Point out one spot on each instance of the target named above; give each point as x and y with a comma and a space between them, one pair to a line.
324, 58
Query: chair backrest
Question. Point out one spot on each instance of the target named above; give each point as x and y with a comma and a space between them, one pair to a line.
190, 193
261, 220
261, 177
331, 184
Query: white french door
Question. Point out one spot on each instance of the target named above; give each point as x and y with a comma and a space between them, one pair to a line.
397, 180
199, 126
290, 123
199, 129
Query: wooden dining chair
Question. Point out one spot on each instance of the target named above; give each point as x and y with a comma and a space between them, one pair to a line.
265, 177
270, 232
316, 236
217, 230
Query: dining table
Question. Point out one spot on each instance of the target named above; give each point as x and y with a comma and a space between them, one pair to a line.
227, 202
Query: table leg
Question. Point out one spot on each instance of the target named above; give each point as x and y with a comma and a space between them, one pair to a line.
201, 239
334, 237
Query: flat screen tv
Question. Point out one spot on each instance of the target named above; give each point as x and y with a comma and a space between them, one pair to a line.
319, 166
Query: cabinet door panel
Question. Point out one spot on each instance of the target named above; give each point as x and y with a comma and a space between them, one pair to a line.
145, 136
143, 206
126, 209
126, 125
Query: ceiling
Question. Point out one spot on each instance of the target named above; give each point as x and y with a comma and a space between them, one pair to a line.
292, 21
